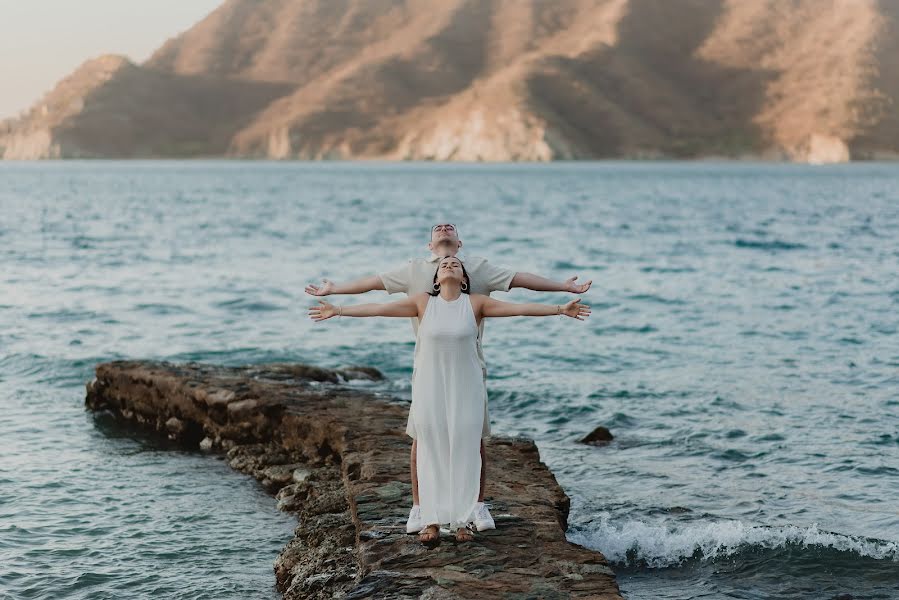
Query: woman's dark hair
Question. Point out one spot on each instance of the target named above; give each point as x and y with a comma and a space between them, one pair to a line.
465, 277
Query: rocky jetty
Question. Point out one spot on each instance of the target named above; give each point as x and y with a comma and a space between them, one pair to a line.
338, 457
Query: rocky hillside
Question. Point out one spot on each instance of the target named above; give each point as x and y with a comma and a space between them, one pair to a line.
491, 80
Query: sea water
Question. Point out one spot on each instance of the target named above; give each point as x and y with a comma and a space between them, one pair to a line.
742, 350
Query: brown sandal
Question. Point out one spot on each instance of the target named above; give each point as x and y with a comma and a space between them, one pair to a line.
429, 534
465, 534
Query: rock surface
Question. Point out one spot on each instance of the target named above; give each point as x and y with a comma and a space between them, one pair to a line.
339, 458
598, 437
491, 80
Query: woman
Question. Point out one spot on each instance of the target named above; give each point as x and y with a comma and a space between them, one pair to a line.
448, 392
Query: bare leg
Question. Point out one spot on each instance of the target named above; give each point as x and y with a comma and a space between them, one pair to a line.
413, 468
483, 472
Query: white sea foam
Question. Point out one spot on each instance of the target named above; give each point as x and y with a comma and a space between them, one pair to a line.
666, 544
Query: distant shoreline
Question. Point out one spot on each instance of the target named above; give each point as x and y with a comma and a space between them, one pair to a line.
755, 160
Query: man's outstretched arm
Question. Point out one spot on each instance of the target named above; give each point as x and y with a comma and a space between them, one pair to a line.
357, 286
542, 284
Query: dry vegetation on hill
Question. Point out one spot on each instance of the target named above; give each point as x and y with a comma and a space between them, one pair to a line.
491, 80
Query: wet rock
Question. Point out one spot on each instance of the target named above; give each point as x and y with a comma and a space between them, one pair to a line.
175, 427
305, 372
598, 437
364, 373
291, 497
282, 474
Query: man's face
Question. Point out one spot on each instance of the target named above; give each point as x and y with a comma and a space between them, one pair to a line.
444, 234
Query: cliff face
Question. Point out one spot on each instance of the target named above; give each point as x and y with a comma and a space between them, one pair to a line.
110, 107
492, 80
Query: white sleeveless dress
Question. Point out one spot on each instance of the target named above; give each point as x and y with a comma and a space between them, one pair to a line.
448, 400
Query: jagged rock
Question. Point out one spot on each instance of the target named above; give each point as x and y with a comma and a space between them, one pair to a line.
291, 497
283, 473
216, 397
175, 427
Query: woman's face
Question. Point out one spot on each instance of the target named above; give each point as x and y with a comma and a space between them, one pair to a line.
449, 269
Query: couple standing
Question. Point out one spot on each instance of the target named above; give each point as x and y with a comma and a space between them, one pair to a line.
448, 300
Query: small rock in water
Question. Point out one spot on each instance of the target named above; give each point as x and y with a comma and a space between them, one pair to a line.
599, 436
206, 444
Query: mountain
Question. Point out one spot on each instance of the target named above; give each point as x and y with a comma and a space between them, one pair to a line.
493, 80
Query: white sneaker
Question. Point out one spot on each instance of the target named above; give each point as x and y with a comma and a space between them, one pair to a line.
481, 517
413, 525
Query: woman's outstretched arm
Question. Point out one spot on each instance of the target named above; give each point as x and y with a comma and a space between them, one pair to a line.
498, 308
407, 307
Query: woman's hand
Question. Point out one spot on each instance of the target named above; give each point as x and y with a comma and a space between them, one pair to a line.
322, 312
576, 310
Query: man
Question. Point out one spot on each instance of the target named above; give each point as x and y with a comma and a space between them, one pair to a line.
417, 276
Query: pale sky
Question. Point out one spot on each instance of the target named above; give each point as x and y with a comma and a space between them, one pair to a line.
42, 41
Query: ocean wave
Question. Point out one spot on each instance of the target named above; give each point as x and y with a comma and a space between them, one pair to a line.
660, 545
768, 244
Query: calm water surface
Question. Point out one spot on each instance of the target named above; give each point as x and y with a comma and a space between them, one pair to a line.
742, 349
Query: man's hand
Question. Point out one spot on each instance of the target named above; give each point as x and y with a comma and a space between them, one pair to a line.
326, 289
542, 284
576, 288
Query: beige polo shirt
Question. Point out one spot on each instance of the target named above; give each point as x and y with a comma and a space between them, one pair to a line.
417, 276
